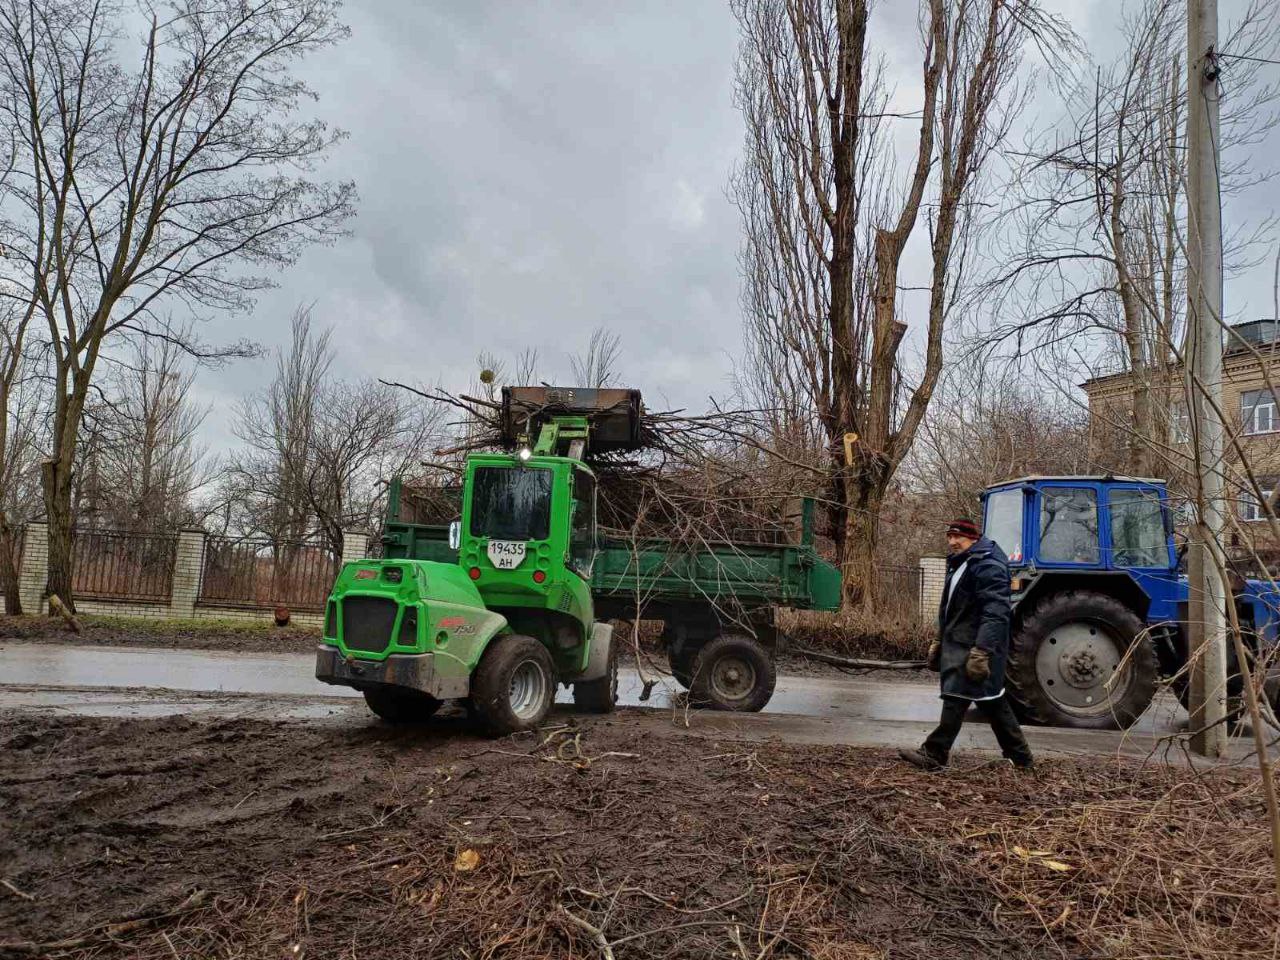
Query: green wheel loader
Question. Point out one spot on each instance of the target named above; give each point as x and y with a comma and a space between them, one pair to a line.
499, 608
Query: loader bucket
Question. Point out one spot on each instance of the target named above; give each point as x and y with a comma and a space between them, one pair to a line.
615, 414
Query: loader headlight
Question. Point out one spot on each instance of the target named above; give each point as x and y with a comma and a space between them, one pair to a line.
525, 453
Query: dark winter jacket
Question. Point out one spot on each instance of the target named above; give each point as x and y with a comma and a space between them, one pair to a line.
975, 613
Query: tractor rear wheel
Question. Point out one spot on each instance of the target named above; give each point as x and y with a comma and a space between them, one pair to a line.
397, 705
1066, 651
514, 686
733, 672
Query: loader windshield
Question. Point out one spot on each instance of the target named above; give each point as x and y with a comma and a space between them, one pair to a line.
511, 503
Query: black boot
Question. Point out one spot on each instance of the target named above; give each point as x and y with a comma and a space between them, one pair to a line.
921, 758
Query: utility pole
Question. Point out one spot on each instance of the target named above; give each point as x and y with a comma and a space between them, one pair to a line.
1207, 613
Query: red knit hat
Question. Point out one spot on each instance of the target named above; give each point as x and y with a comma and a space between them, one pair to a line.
965, 527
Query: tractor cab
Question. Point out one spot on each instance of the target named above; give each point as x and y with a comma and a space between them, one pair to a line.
1089, 522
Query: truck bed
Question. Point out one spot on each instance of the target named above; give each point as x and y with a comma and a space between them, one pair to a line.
667, 571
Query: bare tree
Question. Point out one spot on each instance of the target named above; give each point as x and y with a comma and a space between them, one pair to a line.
1099, 216
177, 180
149, 464
365, 434
318, 450
22, 415
597, 365
269, 476
827, 225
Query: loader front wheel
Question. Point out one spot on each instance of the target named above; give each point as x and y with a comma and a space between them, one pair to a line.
733, 672
401, 706
514, 686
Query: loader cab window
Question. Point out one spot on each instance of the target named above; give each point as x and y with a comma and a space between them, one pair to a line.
582, 529
1139, 537
1004, 523
1069, 525
511, 503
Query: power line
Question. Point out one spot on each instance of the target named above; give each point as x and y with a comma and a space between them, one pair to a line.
1241, 56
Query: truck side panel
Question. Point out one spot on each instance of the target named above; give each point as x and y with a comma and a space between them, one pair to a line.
747, 574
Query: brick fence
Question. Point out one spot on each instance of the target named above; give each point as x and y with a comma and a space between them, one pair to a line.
933, 575
184, 597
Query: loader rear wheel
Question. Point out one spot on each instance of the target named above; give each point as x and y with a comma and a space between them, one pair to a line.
401, 706
733, 672
599, 696
1065, 653
514, 686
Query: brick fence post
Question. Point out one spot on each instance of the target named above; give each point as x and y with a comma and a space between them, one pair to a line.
33, 569
188, 562
933, 576
355, 545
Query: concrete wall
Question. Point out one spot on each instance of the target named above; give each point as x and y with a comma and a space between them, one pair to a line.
183, 602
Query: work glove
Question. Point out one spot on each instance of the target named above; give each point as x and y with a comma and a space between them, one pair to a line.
977, 666
933, 659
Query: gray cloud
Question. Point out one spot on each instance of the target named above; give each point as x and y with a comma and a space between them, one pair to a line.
529, 171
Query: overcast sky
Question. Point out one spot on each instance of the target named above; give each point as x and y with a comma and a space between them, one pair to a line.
529, 171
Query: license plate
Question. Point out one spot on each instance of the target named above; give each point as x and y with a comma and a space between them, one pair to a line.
506, 554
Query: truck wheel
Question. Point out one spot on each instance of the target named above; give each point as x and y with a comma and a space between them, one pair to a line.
514, 686
599, 696
733, 672
1067, 649
401, 706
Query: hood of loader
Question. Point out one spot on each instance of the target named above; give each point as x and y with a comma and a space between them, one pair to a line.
381, 607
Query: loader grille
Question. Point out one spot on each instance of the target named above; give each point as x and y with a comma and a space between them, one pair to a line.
367, 623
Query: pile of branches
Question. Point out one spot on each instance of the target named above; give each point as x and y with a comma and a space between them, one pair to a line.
704, 478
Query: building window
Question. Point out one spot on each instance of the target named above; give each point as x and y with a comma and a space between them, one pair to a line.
1250, 508
1258, 411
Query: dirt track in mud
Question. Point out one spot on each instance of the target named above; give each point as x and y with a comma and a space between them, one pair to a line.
176, 837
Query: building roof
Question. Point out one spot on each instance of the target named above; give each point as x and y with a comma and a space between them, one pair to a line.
1239, 344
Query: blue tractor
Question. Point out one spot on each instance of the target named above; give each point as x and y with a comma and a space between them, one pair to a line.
1097, 590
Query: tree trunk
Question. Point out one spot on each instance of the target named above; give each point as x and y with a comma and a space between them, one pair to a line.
858, 560
57, 503
9, 559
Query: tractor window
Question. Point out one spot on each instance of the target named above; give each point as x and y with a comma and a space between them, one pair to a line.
1138, 536
1068, 525
582, 537
1004, 522
511, 504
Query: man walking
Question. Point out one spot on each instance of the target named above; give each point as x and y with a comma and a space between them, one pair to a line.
971, 649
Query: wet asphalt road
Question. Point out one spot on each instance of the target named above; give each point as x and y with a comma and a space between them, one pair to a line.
856, 711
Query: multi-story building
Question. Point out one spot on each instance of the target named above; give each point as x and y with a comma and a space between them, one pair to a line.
1251, 380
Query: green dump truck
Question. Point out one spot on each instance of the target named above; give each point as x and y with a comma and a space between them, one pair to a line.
499, 607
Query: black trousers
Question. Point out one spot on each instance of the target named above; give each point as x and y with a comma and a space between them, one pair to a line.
997, 712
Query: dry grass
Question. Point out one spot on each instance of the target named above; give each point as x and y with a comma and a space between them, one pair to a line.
870, 636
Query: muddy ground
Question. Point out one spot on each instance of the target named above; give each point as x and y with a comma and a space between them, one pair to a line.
266, 638
604, 838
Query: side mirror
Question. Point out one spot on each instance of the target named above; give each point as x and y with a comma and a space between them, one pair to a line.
455, 535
